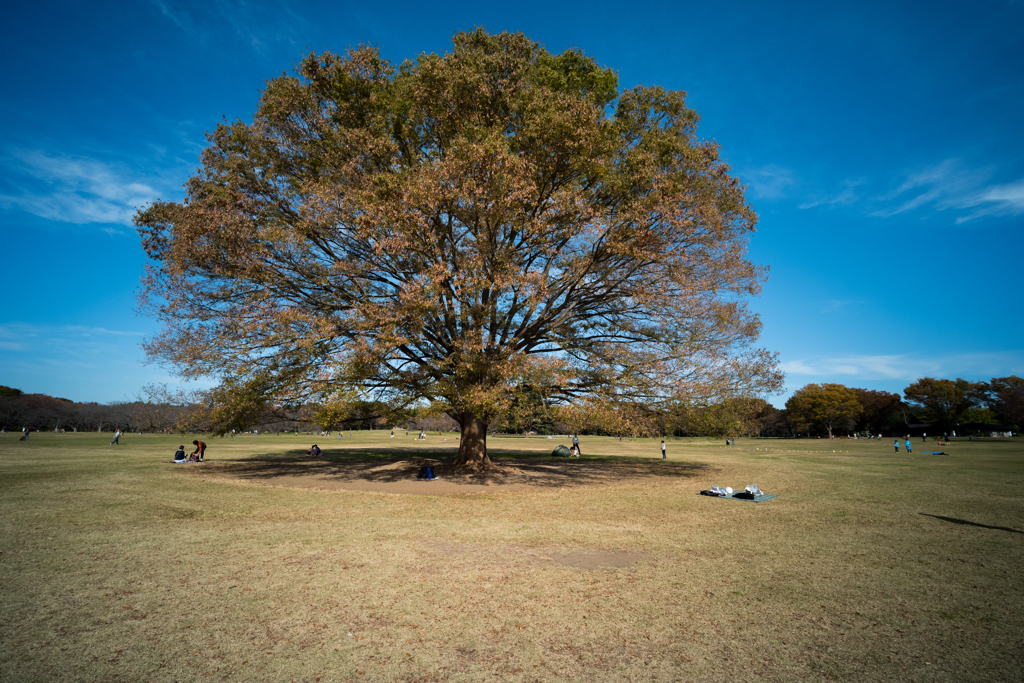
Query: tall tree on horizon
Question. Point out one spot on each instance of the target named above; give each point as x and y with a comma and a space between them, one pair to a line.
452, 230
830, 406
1006, 399
879, 408
945, 400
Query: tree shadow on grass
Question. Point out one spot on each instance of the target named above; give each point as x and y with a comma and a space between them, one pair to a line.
390, 466
954, 520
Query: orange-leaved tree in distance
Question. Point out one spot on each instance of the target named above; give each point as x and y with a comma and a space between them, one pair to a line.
462, 229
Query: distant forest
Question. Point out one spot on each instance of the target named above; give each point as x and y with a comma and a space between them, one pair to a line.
814, 410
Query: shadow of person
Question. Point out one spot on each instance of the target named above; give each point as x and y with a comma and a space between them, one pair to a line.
954, 520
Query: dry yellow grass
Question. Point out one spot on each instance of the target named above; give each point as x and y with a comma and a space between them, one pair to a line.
869, 566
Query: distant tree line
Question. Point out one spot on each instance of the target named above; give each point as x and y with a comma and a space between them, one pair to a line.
41, 412
158, 409
813, 410
945, 404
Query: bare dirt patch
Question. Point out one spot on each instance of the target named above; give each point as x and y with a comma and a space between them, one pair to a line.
398, 475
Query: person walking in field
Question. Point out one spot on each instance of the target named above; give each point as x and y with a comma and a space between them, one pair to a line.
907, 444
117, 435
896, 443
200, 450
576, 443
664, 455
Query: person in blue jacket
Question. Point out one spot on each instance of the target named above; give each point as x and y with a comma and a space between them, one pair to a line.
907, 444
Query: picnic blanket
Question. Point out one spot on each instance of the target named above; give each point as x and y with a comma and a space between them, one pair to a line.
741, 495
933, 453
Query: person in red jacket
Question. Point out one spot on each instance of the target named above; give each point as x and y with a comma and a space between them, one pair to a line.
197, 454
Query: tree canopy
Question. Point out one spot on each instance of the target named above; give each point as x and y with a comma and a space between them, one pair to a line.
945, 400
830, 406
879, 408
466, 229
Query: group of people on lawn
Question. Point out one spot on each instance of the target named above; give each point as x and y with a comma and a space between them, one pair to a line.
194, 456
199, 452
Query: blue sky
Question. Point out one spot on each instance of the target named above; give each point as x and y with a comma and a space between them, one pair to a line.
881, 144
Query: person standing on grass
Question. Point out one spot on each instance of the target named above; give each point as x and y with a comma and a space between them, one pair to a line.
200, 450
907, 444
576, 443
664, 456
896, 443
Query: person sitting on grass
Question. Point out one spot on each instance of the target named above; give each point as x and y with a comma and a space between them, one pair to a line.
313, 451
179, 456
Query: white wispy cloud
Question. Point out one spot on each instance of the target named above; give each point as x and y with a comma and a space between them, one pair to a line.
950, 185
21, 331
836, 304
769, 182
97, 331
17, 331
175, 15
260, 24
847, 194
999, 200
81, 362
907, 367
78, 190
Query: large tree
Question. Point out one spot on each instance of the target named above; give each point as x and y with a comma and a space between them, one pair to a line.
879, 408
1007, 399
455, 229
830, 406
945, 400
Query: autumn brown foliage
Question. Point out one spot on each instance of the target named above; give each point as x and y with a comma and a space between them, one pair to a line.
463, 229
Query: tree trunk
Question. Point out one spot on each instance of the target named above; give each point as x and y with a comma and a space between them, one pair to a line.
472, 444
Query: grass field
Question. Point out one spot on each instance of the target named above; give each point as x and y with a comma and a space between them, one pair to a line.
868, 566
